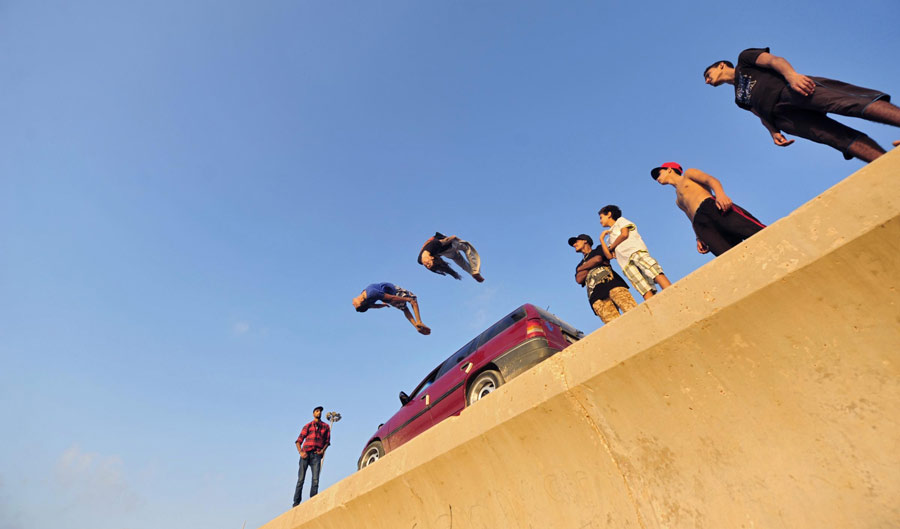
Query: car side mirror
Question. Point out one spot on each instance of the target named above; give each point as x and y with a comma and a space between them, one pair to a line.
404, 398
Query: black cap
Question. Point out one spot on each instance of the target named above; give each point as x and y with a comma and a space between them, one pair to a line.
320, 408
584, 237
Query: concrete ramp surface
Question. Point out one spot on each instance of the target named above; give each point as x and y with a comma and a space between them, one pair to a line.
761, 391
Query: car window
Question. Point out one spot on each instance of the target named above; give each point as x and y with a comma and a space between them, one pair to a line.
423, 385
556, 321
501, 326
457, 357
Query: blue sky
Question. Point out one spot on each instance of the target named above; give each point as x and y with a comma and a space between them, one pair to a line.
192, 192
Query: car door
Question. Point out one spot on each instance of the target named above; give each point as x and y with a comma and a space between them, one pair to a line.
413, 417
448, 393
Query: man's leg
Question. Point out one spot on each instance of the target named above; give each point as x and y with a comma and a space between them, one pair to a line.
706, 230
738, 225
622, 298
471, 263
457, 258
315, 463
837, 97
651, 269
817, 127
634, 274
301, 476
883, 112
865, 149
605, 309
473, 257
417, 321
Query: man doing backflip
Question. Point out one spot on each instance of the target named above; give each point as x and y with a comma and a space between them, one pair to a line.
391, 296
718, 222
452, 247
785, 100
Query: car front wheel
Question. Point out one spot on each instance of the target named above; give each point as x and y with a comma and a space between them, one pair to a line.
484, 384
373, 452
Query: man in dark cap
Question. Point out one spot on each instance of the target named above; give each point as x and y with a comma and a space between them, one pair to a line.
718, 223
606, 290
314, 438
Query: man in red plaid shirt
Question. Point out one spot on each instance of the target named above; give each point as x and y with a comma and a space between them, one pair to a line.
313, 440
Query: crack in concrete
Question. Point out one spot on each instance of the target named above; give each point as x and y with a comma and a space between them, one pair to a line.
414, 493
587, 415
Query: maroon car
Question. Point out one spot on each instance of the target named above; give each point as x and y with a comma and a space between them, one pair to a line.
525, 337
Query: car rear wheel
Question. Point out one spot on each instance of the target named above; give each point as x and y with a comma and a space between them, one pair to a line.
483, 385
373, 452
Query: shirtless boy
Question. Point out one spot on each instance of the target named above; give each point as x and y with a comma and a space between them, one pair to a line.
391, 296
718, 223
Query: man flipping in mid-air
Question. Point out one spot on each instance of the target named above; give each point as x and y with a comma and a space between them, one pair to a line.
392, 296
430, 256
785, 100
718, 223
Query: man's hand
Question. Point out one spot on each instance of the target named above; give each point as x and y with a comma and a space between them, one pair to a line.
701, 247
780, 140
302, 454
801, 84
605, 234
723, 202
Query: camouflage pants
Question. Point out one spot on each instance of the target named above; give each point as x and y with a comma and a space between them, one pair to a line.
619, 299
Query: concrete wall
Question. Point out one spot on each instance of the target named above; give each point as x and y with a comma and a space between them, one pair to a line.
761, 391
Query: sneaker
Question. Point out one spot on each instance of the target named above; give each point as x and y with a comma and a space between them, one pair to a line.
477, 277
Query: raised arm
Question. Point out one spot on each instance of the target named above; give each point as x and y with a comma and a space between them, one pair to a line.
606, 251
798, 82
712, 184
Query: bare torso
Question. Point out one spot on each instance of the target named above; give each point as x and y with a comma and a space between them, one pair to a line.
689, 195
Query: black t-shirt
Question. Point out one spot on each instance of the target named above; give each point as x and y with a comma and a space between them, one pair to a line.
600, 279
756, 88
434, 246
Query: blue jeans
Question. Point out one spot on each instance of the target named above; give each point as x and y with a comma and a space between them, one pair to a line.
314, 461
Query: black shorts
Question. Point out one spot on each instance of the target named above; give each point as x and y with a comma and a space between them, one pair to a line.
722, 230
804, 116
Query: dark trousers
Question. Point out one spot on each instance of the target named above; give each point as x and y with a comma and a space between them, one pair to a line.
721, 230
314, 462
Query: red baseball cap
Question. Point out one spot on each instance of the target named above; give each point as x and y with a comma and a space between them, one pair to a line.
668, 165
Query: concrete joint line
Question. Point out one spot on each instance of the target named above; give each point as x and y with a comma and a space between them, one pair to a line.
571, 396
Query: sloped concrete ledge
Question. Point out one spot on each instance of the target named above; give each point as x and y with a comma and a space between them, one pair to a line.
761, 391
